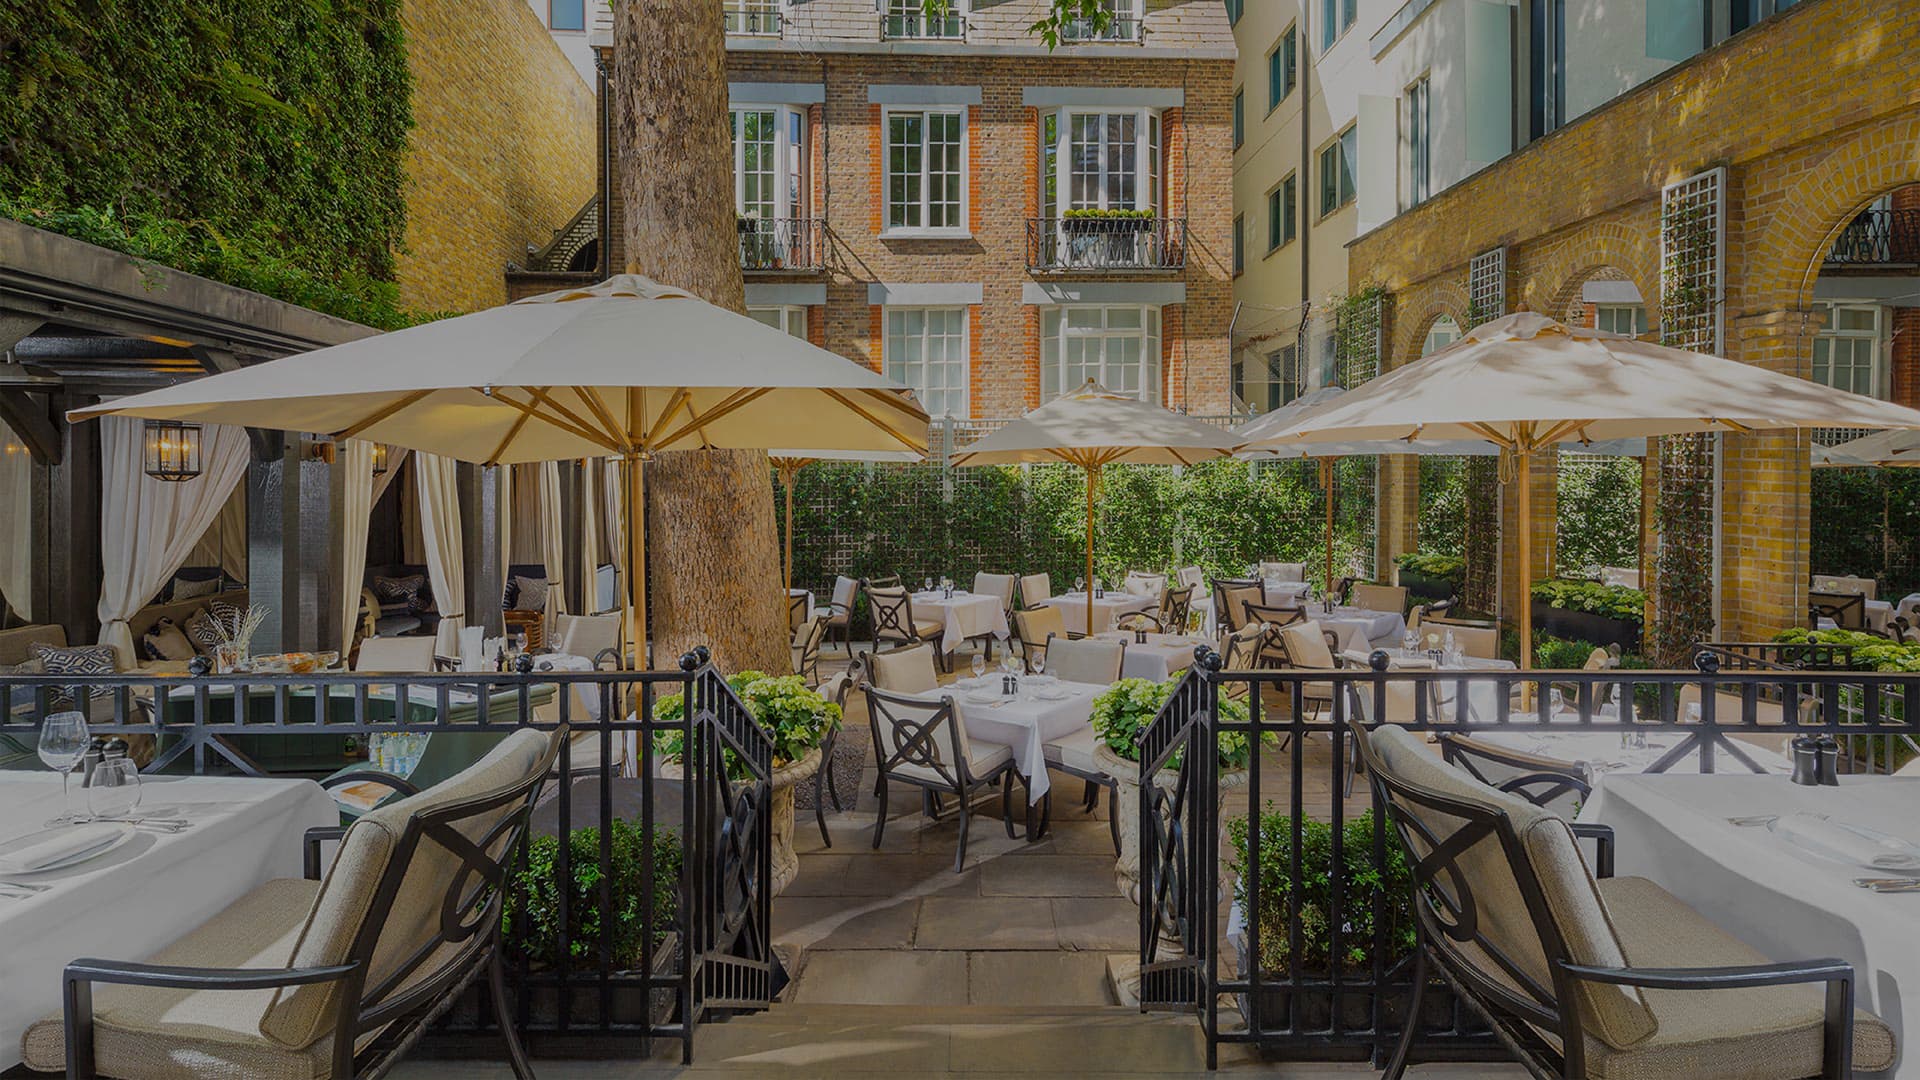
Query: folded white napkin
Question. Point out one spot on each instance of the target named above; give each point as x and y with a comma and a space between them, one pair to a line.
1824, 836
57, 845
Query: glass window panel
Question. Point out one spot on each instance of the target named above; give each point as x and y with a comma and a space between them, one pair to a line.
1123, 318
926, 350
567, 14
1857, 319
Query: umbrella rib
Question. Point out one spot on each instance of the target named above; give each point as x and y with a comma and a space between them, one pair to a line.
512, 433
382, 413
588, 434
699, 423
896, 401
681, 395
1493, 434
591, 395
1558, 431
875, 421
542, 395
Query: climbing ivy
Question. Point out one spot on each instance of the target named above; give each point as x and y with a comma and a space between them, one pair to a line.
259, 144
1683, 508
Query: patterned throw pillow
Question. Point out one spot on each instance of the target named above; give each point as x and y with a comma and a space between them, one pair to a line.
166, 642
186, 589
398, 590
201, 632
228, 615
530, 593
86, 660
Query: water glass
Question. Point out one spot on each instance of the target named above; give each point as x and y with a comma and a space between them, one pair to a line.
1040, 664
926, 584
979, 665
1409, 643
114, 791
63, 743
1079, 584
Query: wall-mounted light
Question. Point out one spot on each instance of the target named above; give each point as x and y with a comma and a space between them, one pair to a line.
379, 459
172, 450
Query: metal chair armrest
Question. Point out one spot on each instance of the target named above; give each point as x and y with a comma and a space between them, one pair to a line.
1603, 843
310, 842
398, 783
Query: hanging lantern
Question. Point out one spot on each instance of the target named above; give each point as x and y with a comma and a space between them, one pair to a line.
172, 450
379, 459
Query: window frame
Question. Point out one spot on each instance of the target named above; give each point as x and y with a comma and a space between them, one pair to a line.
1880, 367
1336, 18
1151, 334
785, 156
1345, 185
1287, 192
1417, 120
1287, 48
888, 358
964, 210
1149, 171
1236, 10
1239, 244
1239, 117
553, 25
1637, 317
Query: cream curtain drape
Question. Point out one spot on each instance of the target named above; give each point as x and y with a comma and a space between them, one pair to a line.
148, 526
553, 541
438, 487
396, 457
225, 543
526, 542
16, 523
615, 500
356, 461
592, 471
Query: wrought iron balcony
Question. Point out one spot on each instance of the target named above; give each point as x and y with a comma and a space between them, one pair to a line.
753, 18
1106, 244
914, 26
1118, 28
774, 245
1878, 238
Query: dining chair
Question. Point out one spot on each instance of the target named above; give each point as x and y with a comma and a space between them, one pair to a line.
1136, 621
1272, 650
1239, 649
395, 655
908, 669
891, 609
1176, 609
1477, 640
589, 635
1230, 598
1088, 660
1190, 577
1035, 626
920, 741
825, 786
839, 610
1845, 610
1376, 597
797, 612
1035, 589
806, 649
1283, 571
299, 976
1311, 647
1000, 587
1547, 782
1143, 583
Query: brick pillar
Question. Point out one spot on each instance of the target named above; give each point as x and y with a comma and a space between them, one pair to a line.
1765, 491
1544, 477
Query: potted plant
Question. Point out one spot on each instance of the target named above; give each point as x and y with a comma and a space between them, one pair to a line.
531, 922
797, 719
1375, 900
1590, 611
1120, 714
1428, 576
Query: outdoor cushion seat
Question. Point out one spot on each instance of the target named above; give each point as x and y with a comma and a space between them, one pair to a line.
1074, 751
1768, 1033
155, 1034
926, 628
982, 759
908, 670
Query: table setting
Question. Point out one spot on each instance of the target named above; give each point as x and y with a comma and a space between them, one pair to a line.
1794, 869
1158, 657
963, 614
1022, 711
1108, 605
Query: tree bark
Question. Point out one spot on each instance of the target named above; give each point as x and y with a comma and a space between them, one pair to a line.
713, 550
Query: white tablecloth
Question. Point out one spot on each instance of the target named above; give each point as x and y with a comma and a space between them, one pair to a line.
1073, 609
1279, 594
1789, 904
1160, 658
965, 615
1026, 723
135, 899
1600, 753
1360, 628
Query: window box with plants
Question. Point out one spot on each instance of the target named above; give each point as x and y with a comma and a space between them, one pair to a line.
1119, 716
1589, 611
797, 718
1375, 906
1430, 577
532, 923
1112, 238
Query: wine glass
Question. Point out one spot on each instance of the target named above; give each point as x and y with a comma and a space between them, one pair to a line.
1040, 663
979, 666
63, 743
1409, 642
114, 791
926, 584
1079, 583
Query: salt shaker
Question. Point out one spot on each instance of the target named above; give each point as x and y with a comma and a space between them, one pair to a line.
1806, 761
1828, 752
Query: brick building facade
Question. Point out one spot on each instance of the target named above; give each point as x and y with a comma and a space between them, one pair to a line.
891, 179
1800, 147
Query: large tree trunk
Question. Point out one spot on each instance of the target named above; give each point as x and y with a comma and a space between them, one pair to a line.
713, 552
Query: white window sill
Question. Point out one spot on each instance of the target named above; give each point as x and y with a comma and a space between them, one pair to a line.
926, 234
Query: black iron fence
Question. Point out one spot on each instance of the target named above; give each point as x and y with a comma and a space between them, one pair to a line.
639, 908
782, 244
1061, 244
1317, 957
752, 17
1878, 238
1114, 28
916, 25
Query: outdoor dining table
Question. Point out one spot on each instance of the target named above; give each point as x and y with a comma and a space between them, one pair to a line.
1159, 658
130, 901
1024, 721
1106, 608
1783, 899
963, 615
1279, 594
1361, 628
1602, 753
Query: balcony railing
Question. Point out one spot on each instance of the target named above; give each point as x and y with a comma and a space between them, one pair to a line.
1105, 244
753, 19
1118, 28
914, 26
1878, 238
782, 244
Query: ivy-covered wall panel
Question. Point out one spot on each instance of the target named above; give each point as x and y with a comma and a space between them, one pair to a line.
259, 144
1866, 523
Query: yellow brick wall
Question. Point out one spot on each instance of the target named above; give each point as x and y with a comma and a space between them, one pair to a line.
502, 151
1801, 160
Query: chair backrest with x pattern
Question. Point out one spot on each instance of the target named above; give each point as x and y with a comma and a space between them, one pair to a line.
1176, 609
1230, 599
919, 730
891, 608
1559, 786
1272, 652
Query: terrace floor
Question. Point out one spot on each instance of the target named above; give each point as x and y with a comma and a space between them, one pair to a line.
903, 967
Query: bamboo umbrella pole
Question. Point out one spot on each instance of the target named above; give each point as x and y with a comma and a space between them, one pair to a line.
1523, 463
789, 470
637, 557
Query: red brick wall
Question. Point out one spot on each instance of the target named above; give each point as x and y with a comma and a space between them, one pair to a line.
1904, 358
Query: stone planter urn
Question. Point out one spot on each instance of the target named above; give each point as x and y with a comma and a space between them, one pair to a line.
1126, 802
786, 862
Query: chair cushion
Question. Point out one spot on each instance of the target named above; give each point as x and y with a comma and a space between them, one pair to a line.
1618, 1016
158, 1034
1760, 1034
905, 671
982, 759
299, 1015
1074, 751
1307, 646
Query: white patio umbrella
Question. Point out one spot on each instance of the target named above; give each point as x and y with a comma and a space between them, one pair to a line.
788, 464
1093, 427
1885, 449
1525, 382
627, 368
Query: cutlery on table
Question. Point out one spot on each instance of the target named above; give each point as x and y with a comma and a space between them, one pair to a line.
1889, 885
1756, 819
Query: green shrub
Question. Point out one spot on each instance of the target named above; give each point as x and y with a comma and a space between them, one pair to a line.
535, 896
1365, 889
796, 717
1552, 653
1096, 214
1433, 564
1871, 652
1125, 709
1608, 601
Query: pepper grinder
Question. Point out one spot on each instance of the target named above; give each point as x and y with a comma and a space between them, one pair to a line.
1806, 761
1828, 751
